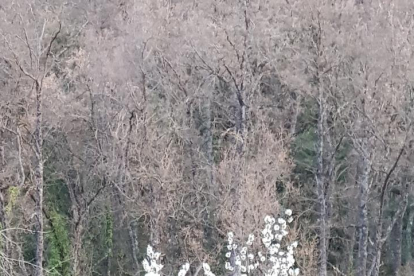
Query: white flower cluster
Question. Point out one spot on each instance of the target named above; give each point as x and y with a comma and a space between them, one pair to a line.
184, 269
282, 261
207, 270
153, 268
150, 264
239, 257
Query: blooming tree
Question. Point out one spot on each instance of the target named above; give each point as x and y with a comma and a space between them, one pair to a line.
277, 259
151, 263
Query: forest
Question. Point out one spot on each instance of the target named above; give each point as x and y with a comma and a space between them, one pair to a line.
158, 137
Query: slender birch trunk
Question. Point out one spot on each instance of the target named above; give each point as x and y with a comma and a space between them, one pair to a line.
134, 243
5, 237
240, 122
295, 114
320, 188
38, 151
363, 183
38, 175
380, 237
408, 242
396, 244
351, 251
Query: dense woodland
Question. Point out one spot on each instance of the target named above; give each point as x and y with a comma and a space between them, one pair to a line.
125, 123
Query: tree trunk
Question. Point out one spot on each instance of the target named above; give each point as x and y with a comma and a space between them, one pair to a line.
240, 122
363, 183
408, 242
38, 150
320, 188
379, 236
295, 114
382, 238
396, 243
134, 243
351, 247
38, 174
241, 134
72, 182
155, 235
4, 237
76, 249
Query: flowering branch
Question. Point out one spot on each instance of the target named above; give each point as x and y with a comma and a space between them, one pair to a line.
277, 260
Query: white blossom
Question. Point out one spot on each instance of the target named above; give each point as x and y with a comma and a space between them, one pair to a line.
273, 249
206, 267
207, 270
251, 238
184, 269
150, 265
243, 251
278, 260
267, 219
282, 262
281, 221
